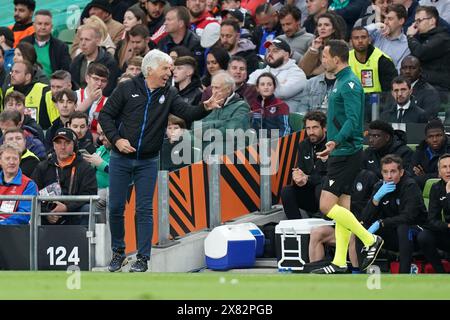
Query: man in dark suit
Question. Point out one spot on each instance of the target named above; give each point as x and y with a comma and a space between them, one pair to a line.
405, 109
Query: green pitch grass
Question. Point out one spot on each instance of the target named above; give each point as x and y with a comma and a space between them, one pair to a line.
211, 286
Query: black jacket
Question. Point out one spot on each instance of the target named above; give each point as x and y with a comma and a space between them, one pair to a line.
371, 158
84, 181
439, 208
403, 206
104, 58
190, 41
28, 164
307, 161
426, 96
427, 160
192, 94
58, 52
414, 114
433, 51
141, 118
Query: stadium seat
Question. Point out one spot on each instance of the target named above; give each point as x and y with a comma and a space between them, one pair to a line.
427, 189
67, 36
296, 121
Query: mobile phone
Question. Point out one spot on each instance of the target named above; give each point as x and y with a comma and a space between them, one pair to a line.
84, 152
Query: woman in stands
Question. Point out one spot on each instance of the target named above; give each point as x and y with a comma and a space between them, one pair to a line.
133, 16
327, 28
216, 60
269, 112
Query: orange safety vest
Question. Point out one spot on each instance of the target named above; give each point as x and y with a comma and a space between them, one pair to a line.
19, 35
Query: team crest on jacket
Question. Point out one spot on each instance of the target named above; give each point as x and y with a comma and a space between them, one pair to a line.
162, 99
359, 186
273, 109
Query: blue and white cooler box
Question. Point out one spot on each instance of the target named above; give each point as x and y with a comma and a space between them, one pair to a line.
292, 242
233, 246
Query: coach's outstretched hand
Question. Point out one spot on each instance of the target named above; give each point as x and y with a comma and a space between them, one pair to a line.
329, 147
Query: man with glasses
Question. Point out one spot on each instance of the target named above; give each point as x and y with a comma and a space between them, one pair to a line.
430, 43
91, 99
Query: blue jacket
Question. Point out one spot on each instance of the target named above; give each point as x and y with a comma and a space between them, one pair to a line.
23, 206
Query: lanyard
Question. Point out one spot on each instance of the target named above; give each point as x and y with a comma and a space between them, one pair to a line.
72, 176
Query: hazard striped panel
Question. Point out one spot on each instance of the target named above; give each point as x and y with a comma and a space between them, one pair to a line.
239, 183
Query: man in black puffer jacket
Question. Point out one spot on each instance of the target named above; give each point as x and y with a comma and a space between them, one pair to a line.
134, 119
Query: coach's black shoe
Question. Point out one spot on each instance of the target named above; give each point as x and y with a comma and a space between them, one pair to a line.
370, 253
140, 265
330, 269
118, 261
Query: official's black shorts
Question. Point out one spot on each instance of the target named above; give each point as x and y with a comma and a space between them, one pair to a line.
342, 171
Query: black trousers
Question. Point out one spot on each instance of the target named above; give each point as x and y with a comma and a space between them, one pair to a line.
294, 198
429, 242
395, 239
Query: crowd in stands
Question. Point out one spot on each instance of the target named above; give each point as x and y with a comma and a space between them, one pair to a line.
265, 59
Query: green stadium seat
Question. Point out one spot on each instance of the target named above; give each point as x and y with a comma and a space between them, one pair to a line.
427, 189
67, 36
296, 121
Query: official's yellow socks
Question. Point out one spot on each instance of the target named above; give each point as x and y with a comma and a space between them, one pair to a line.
342, 240
347, 220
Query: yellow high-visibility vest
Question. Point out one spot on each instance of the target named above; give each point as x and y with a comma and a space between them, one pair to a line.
367, 72
33, 99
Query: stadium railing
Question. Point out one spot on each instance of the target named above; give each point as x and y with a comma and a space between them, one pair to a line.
36, 213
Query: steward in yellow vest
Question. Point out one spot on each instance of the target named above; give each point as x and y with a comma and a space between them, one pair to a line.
372, 66
36, 97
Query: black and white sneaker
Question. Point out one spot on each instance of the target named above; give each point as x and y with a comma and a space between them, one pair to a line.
370, 253
118, 261
330, 269
140, 265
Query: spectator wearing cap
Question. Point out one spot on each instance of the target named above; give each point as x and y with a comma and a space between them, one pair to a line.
200, 17
67, 169
238, 16
232, 8
103, 10
52, 53
230, 39
7, 44
14, 182
177, 22
268, 26
23, 16
298, 39
290, 78
187, 80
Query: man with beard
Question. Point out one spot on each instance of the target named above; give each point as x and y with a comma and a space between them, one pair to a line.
200, 17
23, 16
307, 176
291, 79
231, 40
156, 28
404, 110
372, 66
